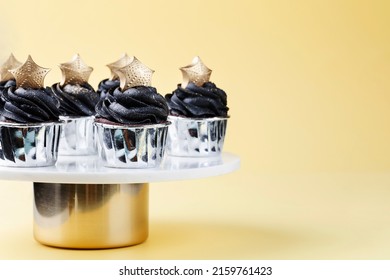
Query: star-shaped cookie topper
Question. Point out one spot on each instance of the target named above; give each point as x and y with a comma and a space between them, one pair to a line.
10, 63
29, 74
123, 61
134, 74
75, 71
196, 73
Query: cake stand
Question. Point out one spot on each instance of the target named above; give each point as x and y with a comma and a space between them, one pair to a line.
79, 203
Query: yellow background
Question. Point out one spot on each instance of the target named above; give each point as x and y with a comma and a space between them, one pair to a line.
308, 90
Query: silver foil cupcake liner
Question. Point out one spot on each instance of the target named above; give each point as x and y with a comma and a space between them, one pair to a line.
196, 137
131, 146
78, 136
29, 145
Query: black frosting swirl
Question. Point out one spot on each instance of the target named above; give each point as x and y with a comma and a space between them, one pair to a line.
6, 84
76, 100
198, 102
106, 85
136, 105
29, 105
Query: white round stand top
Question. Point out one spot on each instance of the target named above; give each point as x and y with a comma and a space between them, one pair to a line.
90, 170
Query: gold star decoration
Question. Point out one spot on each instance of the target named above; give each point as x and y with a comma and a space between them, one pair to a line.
134, 74
75, 71
29, 74
196, 73
10, 63
123, 61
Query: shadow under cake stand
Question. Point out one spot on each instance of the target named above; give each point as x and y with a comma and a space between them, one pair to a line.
79, 203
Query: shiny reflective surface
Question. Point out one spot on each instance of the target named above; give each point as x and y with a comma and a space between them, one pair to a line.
131, 147
196, 137
29, 145
91, 169
78, 136
90, 216
180, 163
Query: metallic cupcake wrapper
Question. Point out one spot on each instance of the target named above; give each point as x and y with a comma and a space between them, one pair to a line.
78, 136
29, 145
131, 147
196, 137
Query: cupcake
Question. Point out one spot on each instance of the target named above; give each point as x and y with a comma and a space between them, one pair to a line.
108, 84
30, 126
198, 112
132, 121
77, 106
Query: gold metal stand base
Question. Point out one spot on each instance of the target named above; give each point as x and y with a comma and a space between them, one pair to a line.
90, 216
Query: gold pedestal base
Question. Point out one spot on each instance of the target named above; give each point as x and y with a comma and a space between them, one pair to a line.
90, 216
